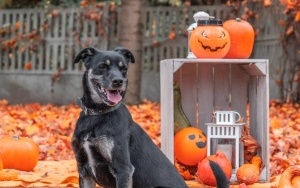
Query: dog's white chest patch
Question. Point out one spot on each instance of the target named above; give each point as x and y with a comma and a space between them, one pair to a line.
91, 161
103, 145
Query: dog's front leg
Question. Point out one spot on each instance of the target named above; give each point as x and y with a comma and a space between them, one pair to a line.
121, 168
85, 179
124, 176
86, 182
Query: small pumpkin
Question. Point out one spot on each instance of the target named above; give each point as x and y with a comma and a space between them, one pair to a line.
190, 146
241, 38
296, 181
288, 176
19, 153
249, 173
209, 39
206, 175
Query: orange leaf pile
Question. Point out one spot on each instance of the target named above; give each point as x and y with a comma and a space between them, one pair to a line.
51, 127
284, 136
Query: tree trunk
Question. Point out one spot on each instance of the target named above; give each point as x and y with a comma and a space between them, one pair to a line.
130, 37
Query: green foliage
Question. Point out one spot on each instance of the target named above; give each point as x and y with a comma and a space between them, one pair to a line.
5, 3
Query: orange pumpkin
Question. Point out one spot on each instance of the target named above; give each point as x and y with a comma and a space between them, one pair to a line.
241, 38
190, 146
296, 181
1, 164
206, 175
288, 176
18, 153
249, 173
209, 39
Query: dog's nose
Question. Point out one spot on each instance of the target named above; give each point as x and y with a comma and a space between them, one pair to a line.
117, 82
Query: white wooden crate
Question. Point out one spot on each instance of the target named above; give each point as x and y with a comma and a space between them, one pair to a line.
208, 85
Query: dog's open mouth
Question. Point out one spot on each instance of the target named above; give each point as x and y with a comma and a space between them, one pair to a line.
110, 96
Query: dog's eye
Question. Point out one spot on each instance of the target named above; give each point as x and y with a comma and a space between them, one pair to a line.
124, 69
102, 66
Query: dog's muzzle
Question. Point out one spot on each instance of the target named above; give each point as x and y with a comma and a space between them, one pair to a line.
110, 96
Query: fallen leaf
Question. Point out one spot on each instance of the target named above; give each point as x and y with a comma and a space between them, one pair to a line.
70, 179
289, 30
8, 175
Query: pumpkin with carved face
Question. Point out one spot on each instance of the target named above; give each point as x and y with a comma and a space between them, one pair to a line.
209, 39
190, 146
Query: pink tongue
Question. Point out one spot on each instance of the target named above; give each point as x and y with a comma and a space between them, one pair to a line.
114, 96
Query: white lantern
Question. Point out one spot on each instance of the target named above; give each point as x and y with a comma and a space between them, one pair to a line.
225, 135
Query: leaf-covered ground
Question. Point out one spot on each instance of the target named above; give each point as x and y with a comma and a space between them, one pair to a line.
51, 127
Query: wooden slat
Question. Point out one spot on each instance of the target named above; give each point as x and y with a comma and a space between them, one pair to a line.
54, 64
62, 54
205, 95
239, 91
33, 55
221, 87
5, 60
48, 54
167, 109
40, 49
64, 25
19, 55
188, 87
259, 115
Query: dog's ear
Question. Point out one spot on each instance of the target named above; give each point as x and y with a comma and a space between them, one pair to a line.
85, 55
126, 53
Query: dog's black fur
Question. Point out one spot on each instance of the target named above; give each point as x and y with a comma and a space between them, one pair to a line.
112, 150
221, 178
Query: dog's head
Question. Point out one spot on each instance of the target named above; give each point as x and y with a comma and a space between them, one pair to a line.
105, 78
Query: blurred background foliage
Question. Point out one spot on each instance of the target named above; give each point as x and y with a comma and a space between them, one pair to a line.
7, 4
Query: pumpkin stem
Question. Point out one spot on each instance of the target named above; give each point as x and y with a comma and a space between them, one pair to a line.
15, 137
238, 19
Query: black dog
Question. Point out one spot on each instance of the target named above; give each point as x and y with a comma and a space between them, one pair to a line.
112, 150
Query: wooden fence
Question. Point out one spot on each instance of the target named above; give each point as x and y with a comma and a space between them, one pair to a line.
45, 41
36, 41
49, 42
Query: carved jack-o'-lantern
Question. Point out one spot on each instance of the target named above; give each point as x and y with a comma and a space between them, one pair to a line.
209, 39
190, 146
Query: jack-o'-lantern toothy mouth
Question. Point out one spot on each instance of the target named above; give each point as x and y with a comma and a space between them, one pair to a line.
206, 47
